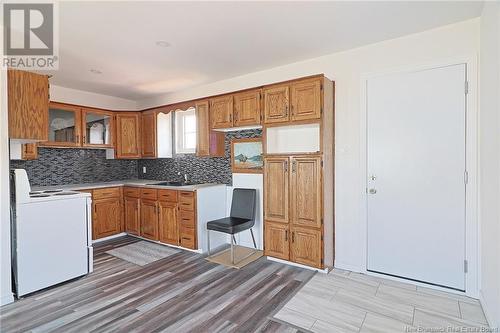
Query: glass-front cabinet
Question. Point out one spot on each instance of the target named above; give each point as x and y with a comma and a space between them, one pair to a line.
73, 126
97, 126
64, 126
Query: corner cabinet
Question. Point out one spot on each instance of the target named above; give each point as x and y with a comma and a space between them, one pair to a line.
132, 210
128, 135
28, 105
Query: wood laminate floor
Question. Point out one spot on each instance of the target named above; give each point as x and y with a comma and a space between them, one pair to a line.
180, 293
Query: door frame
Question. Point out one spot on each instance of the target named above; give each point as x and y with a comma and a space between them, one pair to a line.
472, 240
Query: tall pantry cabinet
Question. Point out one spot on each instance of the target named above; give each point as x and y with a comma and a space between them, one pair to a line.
298, 174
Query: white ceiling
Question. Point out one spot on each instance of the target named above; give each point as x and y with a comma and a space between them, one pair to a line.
211, 41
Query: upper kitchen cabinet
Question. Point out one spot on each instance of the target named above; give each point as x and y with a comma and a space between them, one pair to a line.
276, 104
247, 108
28, 103
156, 134
64, 126
221, 112
128, 135
208, 142
97, 128
306, 99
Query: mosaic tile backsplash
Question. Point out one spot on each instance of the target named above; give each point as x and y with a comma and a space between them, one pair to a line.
198, 169
58, 166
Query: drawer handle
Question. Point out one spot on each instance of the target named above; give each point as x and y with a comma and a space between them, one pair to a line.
185, 238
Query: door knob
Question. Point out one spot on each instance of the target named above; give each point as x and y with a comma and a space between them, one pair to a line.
372, 191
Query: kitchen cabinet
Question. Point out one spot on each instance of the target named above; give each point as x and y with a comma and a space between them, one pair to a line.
28, 105
187, 220
148, 134
306, 246
149, 219
64, 126
208, 142
29, 151
305, 191
97, 128
131, 210
106, 217
293, 208
247, 108
306, 99
276, 104
276, 192
221, 111
128, 142
276, 239
168, 225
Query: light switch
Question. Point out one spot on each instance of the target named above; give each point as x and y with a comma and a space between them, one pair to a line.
143, 169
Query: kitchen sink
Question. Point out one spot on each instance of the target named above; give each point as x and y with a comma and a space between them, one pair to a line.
173, 183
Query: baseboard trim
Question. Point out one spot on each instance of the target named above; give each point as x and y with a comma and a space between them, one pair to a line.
121, 234
487, 312
6, 299
325, 271
169, 245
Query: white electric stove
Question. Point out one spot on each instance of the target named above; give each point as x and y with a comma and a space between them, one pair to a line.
51, 236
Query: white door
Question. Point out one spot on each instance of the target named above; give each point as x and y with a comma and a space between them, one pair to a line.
416, 169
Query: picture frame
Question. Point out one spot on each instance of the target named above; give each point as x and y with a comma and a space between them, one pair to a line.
247, 155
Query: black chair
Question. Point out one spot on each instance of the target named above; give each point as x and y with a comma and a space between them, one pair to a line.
242, 217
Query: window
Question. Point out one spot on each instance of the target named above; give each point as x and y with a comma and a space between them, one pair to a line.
185, 131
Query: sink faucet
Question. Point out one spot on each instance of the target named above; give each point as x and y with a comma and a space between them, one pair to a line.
185, 178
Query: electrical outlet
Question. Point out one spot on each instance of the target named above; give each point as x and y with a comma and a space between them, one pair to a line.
143, 169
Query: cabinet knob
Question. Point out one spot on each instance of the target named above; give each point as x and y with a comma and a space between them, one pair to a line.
372, 191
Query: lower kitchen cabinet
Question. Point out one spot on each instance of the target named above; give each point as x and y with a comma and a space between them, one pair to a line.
106, 217
167, 223
276, 238
306, 246
149, 219
132, 215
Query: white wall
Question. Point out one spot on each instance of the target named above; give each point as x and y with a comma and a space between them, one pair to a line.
347, 68
80, 97
5, 273
489, 161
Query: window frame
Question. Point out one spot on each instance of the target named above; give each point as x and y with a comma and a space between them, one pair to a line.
180, 133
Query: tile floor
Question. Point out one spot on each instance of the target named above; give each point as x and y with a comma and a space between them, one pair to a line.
344, 301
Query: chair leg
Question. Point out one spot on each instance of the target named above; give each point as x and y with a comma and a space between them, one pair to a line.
232, 251
208, 242
253, 238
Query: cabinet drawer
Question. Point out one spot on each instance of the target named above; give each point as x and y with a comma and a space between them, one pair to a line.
148, 193
186, 219
186, 200
132, 192
167, 195
188, 237
104, 193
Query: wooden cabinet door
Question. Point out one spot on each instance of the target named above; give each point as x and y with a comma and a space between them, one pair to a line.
28, 105
29, 151
306, 246
149, 219
306, 191
247, 108
209, 143
148, 132
276, 189
221, 109
306, 99
276, 240
276, 104
107, 217
167, 221
132, 215
65, 122
97, 128
128, 135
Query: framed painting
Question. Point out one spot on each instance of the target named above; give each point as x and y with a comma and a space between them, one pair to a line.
246, 155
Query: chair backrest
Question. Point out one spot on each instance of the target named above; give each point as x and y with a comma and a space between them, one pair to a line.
243, 204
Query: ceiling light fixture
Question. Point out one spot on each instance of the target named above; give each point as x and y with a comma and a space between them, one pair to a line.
95, 71
162, 43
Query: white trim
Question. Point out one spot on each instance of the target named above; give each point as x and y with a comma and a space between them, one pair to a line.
286, 262
472, 222
6, 299
97, 241
490, 317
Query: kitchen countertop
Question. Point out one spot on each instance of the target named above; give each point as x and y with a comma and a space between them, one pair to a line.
128, 182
